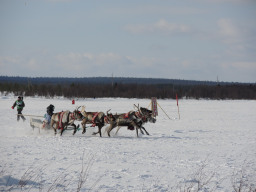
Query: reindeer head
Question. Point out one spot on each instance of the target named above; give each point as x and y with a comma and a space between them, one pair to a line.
145, 111
77, 114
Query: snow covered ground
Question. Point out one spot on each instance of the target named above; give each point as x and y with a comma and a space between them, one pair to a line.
214, 143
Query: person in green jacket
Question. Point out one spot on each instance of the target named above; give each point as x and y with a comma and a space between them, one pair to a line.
20, 105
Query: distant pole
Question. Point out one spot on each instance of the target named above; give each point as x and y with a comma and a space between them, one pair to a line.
178, 104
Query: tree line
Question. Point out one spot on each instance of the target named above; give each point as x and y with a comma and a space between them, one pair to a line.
103, 80
163, 91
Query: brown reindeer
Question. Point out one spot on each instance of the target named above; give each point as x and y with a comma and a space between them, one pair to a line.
131, 120
63, 119
94, 118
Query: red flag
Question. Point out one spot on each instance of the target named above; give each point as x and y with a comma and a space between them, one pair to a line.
177, 99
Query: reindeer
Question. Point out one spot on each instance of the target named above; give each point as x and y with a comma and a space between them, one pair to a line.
62, 119
131, 120
94, 118
143, 116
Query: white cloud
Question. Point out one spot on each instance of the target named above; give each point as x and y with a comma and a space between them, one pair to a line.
5, 60
85, 58
160, 27
232, 32
228, 31
150, 9
242, 65
239, 39
32, 64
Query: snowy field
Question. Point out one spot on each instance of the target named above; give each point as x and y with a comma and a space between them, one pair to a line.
213, 145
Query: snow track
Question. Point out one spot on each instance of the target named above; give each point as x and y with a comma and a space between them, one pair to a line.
215, 137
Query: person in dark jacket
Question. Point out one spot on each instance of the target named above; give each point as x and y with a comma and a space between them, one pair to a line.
50, 109
48, 115
20, 105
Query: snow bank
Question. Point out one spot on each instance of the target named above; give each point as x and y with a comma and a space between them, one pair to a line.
212, 138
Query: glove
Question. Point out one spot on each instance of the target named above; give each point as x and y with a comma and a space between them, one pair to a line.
12, 107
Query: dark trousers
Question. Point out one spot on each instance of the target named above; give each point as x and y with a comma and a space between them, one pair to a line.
20, 115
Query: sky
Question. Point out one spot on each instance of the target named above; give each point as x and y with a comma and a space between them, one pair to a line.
193, 40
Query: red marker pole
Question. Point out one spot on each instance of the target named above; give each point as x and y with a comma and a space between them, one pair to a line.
178, 104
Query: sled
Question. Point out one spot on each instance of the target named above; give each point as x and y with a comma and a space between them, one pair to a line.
36, 123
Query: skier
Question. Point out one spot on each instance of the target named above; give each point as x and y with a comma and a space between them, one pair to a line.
20, 105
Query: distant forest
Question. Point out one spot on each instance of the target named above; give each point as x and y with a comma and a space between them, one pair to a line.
125, 88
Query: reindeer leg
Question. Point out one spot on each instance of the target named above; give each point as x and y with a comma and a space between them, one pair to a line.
52, 125
84, 130
95, 133
117, 129
75, 128
111, 126
84, 125
100, 127
145, 130
99, 130
135, 125
62, 130
107, 130
140, 127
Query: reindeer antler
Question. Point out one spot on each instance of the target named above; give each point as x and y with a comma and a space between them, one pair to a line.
138, 107
83, 109
140, 110
108, 111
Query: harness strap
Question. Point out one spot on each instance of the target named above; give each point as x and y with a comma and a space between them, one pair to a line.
72, 116
138, 114
143, 117
106, 119
60, 124
93, 119
126, 115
